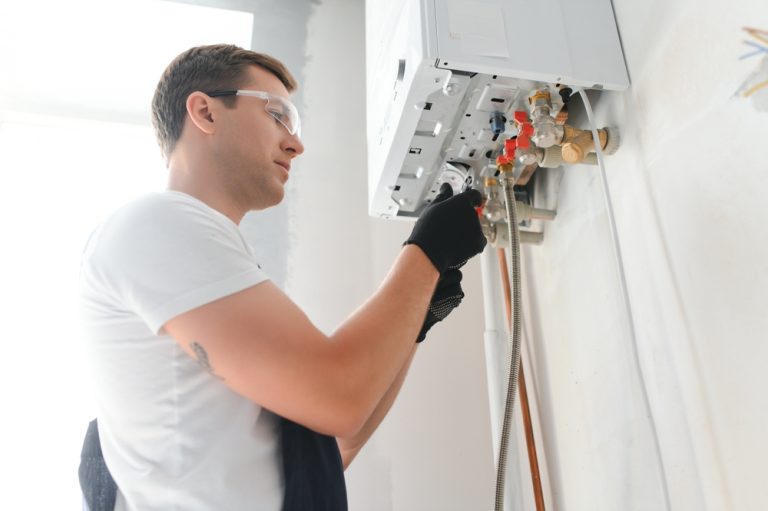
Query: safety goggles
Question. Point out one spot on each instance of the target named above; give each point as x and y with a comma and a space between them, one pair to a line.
280, 108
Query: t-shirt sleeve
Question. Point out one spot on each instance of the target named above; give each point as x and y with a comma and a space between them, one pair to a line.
160, 258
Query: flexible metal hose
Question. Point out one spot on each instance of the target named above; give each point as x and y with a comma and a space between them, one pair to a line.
514, 335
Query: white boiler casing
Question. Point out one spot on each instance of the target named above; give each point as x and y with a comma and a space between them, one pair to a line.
437, 70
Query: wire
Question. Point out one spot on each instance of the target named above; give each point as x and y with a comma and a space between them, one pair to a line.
759, 49
755, 88
760, 35
623, 286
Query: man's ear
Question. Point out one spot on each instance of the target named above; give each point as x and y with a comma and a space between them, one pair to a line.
199, 109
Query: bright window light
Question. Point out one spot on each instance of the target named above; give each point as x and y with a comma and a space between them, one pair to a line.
75, 144
59, 178
102, 58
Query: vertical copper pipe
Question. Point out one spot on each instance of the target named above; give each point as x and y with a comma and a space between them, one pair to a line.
533, 460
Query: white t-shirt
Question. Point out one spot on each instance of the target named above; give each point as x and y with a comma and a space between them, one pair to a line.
173, 435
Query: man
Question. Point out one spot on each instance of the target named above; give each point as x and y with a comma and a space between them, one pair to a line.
214, 390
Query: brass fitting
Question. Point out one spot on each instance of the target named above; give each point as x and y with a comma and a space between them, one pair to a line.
540, 98
576, 143
507, 169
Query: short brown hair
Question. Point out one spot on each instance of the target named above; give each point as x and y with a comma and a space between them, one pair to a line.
204, 68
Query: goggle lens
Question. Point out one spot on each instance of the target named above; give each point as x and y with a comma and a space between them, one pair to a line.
284, 112
278, 107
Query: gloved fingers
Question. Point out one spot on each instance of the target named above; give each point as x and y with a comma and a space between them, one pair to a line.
452, 292
449, 289
474, 197
441, 308
447, 296
449, 231
445, 192
450, 277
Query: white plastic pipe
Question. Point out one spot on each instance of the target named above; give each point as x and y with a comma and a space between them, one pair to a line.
496, 346
496, 339
622, 276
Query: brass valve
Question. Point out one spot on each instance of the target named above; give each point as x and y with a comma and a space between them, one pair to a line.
576, 143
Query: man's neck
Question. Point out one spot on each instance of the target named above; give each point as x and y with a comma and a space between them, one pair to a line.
191, 181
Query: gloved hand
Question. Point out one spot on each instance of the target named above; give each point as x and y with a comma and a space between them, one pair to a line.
448, 231
447, 296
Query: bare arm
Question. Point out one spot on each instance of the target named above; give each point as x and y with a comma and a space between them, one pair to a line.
350, 446
264, 347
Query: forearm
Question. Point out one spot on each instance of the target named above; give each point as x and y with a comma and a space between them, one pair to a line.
374, 344
350, 446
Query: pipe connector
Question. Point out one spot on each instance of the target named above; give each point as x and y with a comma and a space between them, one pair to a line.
497, 235
577, 144
552, 157
545, 134
526, 212
544, 128
493, 209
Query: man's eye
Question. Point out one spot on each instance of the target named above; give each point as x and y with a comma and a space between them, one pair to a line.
277, 115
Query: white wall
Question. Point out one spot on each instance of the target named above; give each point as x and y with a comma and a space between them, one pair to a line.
688, 187
434, 449
675, 419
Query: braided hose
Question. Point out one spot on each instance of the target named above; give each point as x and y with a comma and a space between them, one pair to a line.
514, 335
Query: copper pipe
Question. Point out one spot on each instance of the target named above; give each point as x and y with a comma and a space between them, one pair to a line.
533, 460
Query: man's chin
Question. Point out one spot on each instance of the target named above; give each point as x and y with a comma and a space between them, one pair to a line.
272, 199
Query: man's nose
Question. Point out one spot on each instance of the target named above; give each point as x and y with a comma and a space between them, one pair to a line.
293, 146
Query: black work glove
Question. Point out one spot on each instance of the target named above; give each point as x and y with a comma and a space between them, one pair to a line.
448, 231
447, 296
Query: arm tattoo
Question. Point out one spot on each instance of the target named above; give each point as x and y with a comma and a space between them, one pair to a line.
202, 358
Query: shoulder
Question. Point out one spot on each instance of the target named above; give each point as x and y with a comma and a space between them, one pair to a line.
164, 208
162, 218
163, 253
155, 227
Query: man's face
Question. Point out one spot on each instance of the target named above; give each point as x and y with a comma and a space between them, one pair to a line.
254, 149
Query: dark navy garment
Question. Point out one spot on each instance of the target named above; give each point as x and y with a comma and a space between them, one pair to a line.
314, 472
312, 466
99, 489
